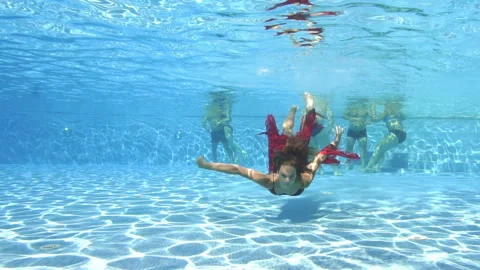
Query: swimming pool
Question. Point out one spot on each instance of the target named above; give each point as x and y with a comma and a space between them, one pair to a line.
166, 217
101, 110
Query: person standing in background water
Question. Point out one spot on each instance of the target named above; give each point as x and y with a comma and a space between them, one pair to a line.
359, 114
393, 117
237, 150
218, 116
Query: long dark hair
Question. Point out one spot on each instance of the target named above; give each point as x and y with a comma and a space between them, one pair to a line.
295, 153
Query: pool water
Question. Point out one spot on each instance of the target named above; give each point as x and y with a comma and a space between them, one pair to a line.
169, 217
101, 110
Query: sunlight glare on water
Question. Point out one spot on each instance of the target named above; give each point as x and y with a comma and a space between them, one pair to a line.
145, 52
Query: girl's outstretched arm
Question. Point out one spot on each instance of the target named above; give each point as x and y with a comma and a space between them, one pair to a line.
265, 180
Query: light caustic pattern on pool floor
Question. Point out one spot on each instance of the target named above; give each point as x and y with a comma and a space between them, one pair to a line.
173, 218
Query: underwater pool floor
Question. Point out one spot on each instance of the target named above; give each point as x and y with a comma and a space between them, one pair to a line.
169, 217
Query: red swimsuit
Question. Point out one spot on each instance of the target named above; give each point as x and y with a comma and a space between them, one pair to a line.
276, 141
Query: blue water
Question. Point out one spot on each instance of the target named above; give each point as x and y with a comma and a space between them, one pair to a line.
111, 217
101, 104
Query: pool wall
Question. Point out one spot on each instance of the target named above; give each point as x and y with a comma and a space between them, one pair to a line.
432, 145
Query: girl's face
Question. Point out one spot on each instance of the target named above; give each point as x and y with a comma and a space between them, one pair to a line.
287, 175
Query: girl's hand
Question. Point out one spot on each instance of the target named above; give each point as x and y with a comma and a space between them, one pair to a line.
338, 130
202, 162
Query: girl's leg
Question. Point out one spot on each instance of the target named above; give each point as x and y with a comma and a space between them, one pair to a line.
309, 105
309, 101
289, 121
